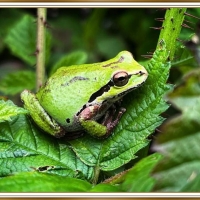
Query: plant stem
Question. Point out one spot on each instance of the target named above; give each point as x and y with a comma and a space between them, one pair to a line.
96, 175
40, 51
171, 29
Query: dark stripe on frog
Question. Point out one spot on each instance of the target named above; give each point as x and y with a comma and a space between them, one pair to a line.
76, 78
103, 89
119, 61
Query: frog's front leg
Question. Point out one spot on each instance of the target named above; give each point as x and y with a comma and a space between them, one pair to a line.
96, 129
39, 115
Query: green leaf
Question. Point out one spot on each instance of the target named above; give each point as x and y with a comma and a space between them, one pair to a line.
8, 22
105, 44
74, 58
102, 187
179, 144
21, 39
144, 106
187, 92
41, 182
182, 56
25, 148
193, 185
139, 178
8, 110
15, 82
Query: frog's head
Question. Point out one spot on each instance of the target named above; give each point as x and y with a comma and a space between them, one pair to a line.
125, 75
129, 74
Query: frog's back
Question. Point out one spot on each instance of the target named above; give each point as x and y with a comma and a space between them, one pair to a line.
68, 90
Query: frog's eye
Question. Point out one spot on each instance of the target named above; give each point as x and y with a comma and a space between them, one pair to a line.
120, 79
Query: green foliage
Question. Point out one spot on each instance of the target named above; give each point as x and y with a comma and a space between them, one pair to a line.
102, 187
9, 110
25, 148
14, 82
28, 182
33, 161
21, 39
105, 44
183, 56
8, 22
186, 94
179, 143
139, 178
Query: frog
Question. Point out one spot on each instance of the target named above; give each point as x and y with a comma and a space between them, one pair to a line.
85, 98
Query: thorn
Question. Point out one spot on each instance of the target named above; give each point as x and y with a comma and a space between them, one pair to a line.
158, 130
188, 21
41, 18
191, 15
157, 28
159, 19
147, 56
183, 42
153, 137
35, 53
152, 50
151, 53
47, 25
186, 26
180, 40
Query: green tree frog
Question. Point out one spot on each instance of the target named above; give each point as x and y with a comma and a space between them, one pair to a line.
85, 98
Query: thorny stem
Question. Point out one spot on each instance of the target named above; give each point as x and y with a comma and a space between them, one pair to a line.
171, 28
40, 49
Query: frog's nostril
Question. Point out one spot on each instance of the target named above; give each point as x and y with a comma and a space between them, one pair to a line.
141, 73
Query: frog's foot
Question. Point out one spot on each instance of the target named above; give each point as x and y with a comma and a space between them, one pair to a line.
111, 119
61, 133
40, 116
100, 130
